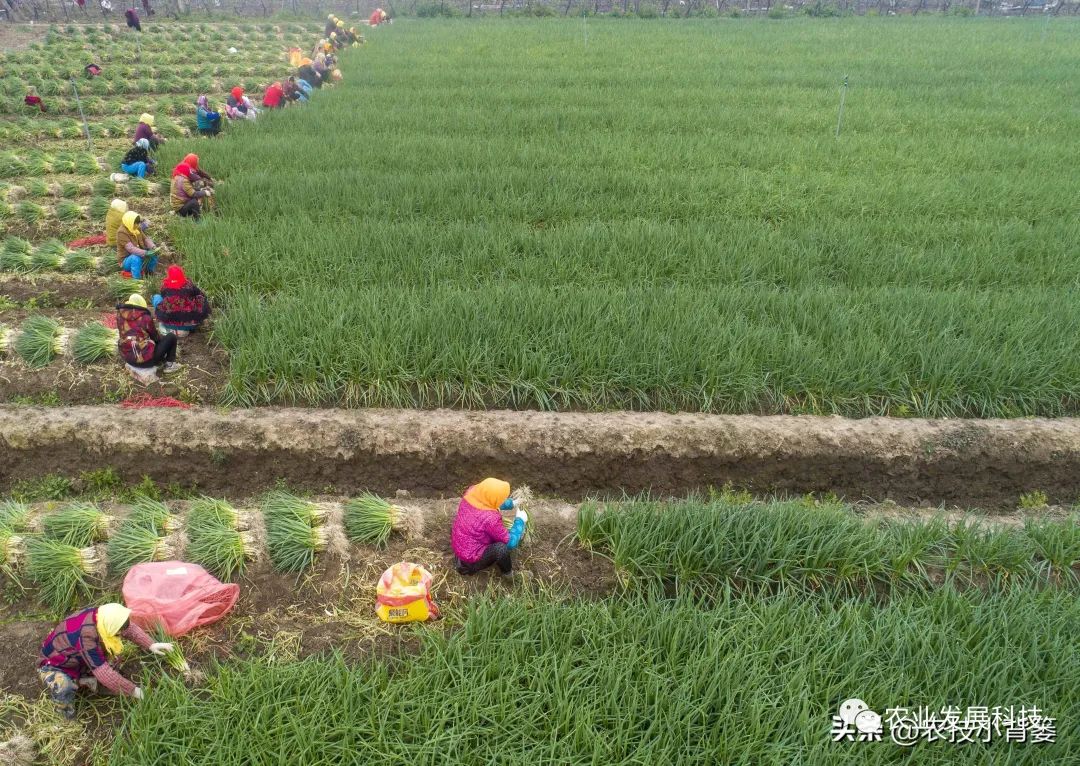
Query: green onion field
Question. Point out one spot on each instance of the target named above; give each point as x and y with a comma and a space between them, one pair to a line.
501, 215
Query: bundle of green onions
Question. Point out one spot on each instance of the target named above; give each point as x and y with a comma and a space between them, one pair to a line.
94, 342
40, 340
153, 515
78, 260
220, 511
48, 256
370, 519
291, 531
522, 496
14, 515
174, 659
64, 573
133, 543
12, 550
120, 288
79, 524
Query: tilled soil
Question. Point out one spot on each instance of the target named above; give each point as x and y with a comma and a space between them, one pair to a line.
976, 463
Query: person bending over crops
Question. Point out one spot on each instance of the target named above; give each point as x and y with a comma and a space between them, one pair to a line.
75, 655
331, 24
274, 96
207, 122
479, 537
238, 106
134, 248
306, 73
202, 179
378, 16
141, 346
113, 218
186, 199
137, 161
145, 129
181, 306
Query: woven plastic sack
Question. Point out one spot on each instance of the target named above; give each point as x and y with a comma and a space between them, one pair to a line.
177, 595
404, 594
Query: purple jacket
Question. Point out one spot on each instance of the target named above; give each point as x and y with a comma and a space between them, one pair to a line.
474, 530
142, 130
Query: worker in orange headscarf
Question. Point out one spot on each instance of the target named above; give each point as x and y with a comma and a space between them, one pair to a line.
200, 176
479, 537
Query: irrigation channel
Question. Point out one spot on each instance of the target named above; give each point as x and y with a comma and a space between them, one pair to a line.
983, 463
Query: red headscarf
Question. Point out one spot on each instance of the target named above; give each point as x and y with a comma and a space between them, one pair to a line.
237, 92
192, 161
183, 169
174, 277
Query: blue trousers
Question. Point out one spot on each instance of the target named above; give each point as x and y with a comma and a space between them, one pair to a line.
134, 169
134, 265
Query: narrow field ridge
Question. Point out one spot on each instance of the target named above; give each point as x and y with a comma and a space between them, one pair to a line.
962, 462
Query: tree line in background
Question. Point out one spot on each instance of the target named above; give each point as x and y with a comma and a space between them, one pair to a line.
89, 10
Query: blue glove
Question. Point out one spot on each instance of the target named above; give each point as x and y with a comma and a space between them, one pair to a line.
508, 505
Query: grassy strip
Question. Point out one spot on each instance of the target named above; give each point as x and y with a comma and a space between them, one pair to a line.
794, 543
637, 682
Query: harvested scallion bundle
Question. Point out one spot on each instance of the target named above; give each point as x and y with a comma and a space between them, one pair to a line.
153, 515
63, 572
208, 509
134, 543
370, 519
12, 550
93, 343
217, 547
79, 524
174, 659
14, 515
38, 339
14, 261
78, 260
290, 534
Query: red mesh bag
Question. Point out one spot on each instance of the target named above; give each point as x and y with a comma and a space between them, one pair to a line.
176, 594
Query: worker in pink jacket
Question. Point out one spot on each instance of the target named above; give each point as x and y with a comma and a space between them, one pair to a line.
479, 537
76, 654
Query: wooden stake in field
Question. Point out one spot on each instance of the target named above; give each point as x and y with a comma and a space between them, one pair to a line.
85, 126
840, 117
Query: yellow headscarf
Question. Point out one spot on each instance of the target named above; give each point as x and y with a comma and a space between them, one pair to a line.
147, 118
136, 300
110, 621
129, 222
488, 495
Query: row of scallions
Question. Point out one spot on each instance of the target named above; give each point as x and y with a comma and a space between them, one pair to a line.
214, 539
294, 531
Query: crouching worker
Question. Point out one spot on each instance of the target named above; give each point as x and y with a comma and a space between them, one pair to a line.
479, 537
207, 121
113, 218
75, 655
181, 306
186, 199
134, 248
141, 347
137, 161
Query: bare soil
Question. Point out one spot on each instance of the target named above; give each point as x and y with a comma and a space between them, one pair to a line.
984, 463
332, 608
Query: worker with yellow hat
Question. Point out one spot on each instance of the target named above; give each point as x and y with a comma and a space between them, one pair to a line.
76, 654
145, 129
141, 346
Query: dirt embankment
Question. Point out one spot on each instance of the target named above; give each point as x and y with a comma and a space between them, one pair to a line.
985, 462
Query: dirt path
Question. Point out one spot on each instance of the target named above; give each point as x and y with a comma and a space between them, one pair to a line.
984, 463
